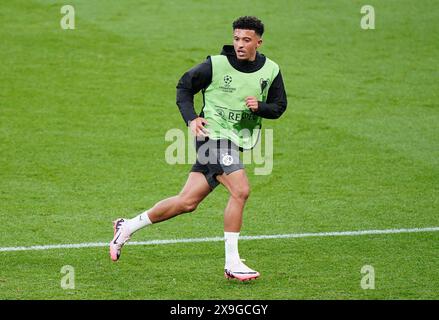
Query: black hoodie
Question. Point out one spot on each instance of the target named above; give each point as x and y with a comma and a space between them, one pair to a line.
200, 77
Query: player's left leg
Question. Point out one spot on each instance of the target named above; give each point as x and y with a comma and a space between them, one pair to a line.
193, 192
239, 189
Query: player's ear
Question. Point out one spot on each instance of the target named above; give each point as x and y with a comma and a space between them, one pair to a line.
259, 43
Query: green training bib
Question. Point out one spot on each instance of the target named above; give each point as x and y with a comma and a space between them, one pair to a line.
224, 101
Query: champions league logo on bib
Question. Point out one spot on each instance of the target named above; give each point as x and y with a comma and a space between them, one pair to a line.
227, 82
227, 159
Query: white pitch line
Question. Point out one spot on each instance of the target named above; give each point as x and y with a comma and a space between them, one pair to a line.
213, 239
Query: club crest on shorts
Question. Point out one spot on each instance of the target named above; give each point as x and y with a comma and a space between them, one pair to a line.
227, 159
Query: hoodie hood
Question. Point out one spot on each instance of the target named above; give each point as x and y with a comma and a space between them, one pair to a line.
228, 50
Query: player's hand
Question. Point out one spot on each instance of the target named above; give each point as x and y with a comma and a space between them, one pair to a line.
252, 103
197, 127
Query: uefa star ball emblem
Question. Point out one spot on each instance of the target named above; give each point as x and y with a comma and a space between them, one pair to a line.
227, 80
227, 159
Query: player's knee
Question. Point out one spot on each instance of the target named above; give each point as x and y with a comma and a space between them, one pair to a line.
188, 205
242, 193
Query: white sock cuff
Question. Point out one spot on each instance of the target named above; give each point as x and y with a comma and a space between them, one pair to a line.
138, 222
145, 217
231, 236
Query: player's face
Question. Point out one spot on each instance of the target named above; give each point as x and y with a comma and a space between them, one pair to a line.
246, 42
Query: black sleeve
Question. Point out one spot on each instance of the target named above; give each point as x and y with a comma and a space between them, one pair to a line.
194, 80
276, 100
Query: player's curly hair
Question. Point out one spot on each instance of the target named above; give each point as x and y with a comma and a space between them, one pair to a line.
249, 23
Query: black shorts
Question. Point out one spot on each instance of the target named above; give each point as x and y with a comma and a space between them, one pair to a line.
215, 157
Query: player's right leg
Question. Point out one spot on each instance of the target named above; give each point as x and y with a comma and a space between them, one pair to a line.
194, 191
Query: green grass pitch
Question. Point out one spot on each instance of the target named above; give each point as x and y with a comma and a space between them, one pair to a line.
84, 113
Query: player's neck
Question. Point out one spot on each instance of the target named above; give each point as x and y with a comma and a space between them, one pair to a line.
249, 60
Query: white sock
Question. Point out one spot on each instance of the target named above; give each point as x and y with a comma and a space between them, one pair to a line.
231, 245
138, 222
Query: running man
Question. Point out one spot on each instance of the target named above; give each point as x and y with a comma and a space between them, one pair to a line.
240, 87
